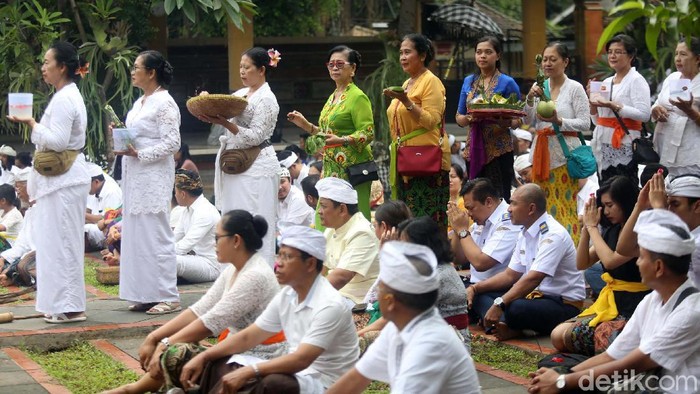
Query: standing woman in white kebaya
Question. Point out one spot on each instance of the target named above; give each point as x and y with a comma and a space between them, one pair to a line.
60, 198
254, 190
148, 274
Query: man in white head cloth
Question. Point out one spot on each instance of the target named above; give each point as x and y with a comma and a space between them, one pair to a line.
104, 194
456, 148
23, 247
292, 206
352, 248
316, 322
417, 352
297, 170
522, 141
7, 174
680, 195
663, 331
523, 169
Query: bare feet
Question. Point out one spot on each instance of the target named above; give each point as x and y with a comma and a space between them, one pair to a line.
503, 333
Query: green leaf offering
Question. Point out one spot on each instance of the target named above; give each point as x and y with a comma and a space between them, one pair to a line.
398, 89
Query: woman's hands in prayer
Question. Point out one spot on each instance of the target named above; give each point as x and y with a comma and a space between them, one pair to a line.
657, 192
458, 218
591, 213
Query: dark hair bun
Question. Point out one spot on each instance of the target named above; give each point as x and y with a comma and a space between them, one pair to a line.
260, 225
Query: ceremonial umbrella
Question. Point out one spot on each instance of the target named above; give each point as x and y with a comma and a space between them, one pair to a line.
465, 21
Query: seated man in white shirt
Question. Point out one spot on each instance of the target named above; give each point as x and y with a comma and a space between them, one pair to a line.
352, 247
663, 331
308, 186
541, 286
22, 247
315, 320
522, 141
194, 235
11, 219
292, 206
297, 170
417, 352
104, 194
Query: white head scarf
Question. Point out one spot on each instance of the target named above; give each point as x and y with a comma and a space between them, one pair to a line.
522, 134
337, 190
94, 170
397, 272
289, 160
684, 186
521, 162
655, 232
284, 172
304, 238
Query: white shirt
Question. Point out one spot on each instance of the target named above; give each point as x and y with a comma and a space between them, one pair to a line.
7, 176
196, 229
303, 173
321, 320
496, 238
147, 180
294, 209
24, 243
572, 107
547, 247
584, 194
670, 337
694, 272
110, 197
62, 127
13, 221
426, 356
354, 247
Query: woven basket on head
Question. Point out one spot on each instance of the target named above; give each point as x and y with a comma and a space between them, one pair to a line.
213, 105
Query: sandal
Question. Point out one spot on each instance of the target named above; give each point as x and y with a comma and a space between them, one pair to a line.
142, 307
164, 308
61, 318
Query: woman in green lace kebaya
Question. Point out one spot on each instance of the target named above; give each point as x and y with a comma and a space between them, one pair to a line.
345, 126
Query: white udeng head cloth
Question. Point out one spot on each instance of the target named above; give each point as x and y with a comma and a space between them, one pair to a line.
284, 172
684, 186
289, 160
522, 162
23, 174
94, 170
337, 190
305, 239
397, 272
655, 233
522, 134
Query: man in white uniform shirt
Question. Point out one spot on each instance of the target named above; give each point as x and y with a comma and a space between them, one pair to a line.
318, 326
352, 247
195, 232
488, 244
292, 206
23, 247
662, 332
104, 194
417, 352
541, 286
297, 170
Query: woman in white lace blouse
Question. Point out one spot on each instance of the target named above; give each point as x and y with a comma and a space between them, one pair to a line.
631, 101
148, 274
236, 299
254, 190
571, 116
60, 199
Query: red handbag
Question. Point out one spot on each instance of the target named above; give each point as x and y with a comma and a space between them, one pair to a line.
425, 160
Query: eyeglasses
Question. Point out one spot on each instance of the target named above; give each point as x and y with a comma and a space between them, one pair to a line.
217, 237
136, 68
287, 257
336, 63
616, 53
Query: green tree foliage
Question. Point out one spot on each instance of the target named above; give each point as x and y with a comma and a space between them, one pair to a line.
293, 18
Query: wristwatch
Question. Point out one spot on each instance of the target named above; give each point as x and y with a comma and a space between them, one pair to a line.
499, 303
561, 382
165, 341
463, 234
410, 107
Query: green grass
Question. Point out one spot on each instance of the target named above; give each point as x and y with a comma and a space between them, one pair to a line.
503, 357
91, 278
84, 369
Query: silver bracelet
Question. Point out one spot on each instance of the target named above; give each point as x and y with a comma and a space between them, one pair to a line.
256, 370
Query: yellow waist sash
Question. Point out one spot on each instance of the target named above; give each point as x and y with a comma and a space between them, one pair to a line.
605, 308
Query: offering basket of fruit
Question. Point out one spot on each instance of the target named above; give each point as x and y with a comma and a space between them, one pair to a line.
496, 106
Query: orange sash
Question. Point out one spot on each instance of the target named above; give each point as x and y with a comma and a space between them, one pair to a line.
277, 338
540, 160
619, 133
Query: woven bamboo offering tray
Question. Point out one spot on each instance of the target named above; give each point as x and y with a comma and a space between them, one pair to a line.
213, 105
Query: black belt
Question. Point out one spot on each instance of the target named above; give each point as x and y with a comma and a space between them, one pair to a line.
265, 144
